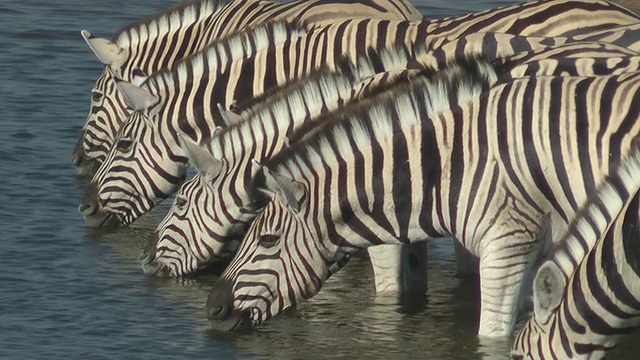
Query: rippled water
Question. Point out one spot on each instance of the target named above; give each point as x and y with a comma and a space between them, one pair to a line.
66, 291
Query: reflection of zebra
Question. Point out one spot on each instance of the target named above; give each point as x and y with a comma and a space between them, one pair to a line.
126, 187
486, 171
165, 38
587, 293
213, 207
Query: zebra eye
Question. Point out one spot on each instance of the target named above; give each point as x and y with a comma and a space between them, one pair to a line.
124, 144
96, 96
180, 202
268, 241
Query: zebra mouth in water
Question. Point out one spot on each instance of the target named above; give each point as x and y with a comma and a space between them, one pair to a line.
232, 321
220, 311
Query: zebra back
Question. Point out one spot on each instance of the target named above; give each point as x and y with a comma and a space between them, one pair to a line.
586, 292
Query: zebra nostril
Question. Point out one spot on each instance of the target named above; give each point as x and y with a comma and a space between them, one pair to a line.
218, 312
87, 208
144, 258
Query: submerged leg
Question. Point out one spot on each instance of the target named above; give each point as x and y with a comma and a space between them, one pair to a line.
502, 274
466, 262
400, 267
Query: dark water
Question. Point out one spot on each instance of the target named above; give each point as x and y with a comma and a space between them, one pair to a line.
67, 292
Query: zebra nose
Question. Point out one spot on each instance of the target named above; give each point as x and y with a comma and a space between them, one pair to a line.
88, 208
77, 157
219, 302
149, 251
89, 204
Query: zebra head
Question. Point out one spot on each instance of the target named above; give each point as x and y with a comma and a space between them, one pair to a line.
200, 228
279, 263
108, 108
140, 169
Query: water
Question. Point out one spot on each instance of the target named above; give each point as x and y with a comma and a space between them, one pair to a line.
68, 292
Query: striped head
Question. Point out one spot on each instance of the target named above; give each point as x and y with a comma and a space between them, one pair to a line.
209, 214
278, 264
142, 167
108, 109
140, 48
146, 163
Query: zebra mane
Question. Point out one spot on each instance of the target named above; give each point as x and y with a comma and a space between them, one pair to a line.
384, 59
593, 219
287, 102
238, 46
429, 94
168, 20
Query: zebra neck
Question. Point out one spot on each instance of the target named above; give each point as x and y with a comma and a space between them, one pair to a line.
181, 21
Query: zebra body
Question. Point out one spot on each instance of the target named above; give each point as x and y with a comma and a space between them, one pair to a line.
126, 187
587, 292
420, 164
164, 39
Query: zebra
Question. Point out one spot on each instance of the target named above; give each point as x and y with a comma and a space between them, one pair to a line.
162, 40
213, 207
419, 164
126, 187
218, 213
586, 293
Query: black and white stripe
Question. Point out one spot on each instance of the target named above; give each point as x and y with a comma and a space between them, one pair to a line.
424, 163
128, 188
162, 40
587, 292
208, 208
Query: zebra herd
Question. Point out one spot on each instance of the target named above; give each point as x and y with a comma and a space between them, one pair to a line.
317, 133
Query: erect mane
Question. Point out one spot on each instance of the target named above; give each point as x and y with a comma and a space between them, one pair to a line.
276, 111
167, 20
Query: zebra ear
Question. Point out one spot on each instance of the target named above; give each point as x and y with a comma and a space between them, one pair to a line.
548, 291
228, 116
200, 158
136, 97
107, 52
291, 191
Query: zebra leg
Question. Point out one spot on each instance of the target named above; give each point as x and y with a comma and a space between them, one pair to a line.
502, 273
466, 262
399, 267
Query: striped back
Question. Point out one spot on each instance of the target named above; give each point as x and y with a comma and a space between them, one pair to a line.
162, 40
587, 292
427, 163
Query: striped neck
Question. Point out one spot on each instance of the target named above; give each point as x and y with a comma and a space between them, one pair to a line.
175, 20
373, 187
